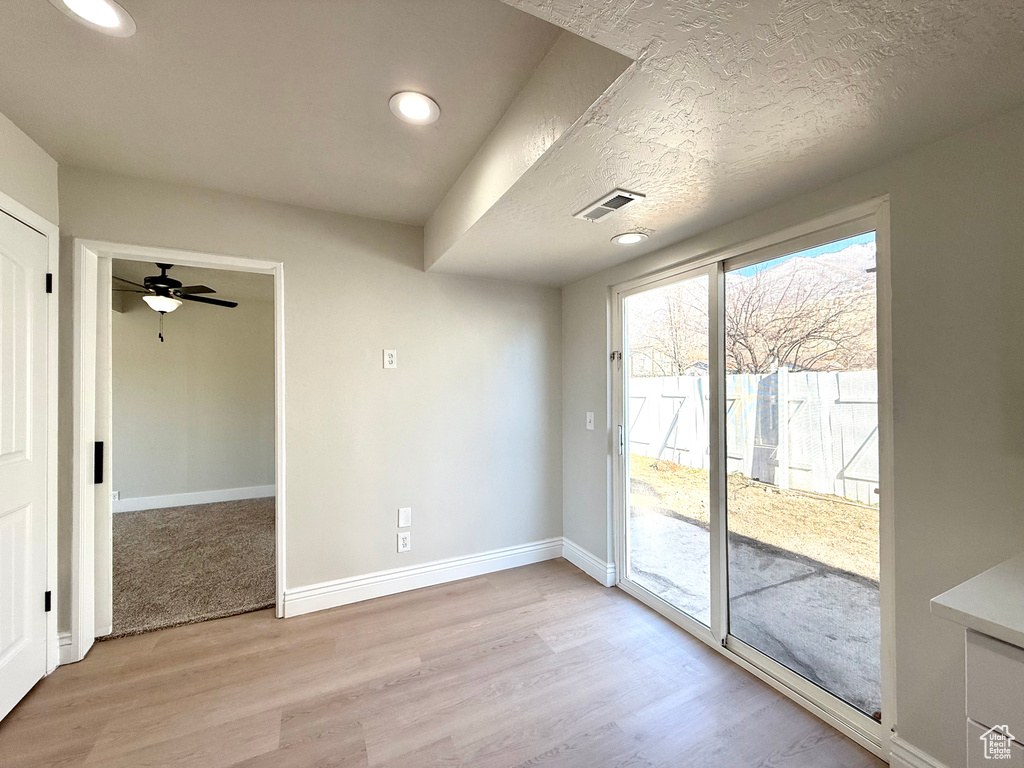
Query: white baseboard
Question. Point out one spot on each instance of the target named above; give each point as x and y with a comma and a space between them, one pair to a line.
906, 755
67, 652
198, 497
331, 594
589, 563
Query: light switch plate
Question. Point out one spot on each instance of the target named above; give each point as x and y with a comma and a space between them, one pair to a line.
404, 541
590, 419
390, 358
404, 517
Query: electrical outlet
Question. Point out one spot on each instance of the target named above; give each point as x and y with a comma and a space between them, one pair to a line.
404, 541
590, 419
404, 517
116, 496
390, 358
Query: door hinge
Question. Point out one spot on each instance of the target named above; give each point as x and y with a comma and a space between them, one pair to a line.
47, 602
49, 282
97, 467
615, 356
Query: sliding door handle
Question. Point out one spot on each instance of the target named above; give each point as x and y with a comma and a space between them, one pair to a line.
622, 441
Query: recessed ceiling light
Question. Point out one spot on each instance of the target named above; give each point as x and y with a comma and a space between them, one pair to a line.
629, 238
104, 16
414, 108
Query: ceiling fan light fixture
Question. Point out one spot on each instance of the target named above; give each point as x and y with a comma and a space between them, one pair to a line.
162, 303
104, 16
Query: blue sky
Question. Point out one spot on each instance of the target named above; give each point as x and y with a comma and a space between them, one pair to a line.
810, 253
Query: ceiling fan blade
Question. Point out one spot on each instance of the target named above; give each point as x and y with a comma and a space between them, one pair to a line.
195, 289
123, 280
205, 300
128, 290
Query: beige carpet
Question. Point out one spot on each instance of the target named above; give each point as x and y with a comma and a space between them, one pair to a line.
187, 564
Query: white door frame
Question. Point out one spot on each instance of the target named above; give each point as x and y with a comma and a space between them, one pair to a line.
873, 736
11, 207
91, 556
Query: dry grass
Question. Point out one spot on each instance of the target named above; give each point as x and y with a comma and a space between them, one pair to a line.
828, 529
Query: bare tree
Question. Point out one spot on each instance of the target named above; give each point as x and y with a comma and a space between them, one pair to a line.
669, 329
807, 314
806, 319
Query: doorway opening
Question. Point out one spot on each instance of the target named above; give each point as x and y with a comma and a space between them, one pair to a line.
192, 444
178, 495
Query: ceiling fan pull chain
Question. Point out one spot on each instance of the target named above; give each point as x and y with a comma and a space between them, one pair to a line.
161, 334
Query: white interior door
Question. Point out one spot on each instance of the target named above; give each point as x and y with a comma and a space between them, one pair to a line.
23, 459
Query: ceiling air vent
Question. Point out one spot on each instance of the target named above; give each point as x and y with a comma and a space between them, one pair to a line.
614, 201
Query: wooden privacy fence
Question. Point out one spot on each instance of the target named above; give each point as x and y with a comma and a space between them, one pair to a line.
807, 431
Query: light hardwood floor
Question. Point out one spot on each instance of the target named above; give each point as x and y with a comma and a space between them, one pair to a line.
537, 666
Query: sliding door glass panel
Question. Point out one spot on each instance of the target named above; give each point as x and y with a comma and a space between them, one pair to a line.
668, 544
802, 462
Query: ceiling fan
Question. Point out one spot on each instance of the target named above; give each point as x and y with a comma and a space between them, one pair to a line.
165, 294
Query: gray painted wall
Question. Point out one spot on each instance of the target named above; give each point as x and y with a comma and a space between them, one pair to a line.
481, 470
27, 173
957, 245
196, 412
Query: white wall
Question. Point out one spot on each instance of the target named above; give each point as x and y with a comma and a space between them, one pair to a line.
27, 173
196, 412
465, 430
957, 245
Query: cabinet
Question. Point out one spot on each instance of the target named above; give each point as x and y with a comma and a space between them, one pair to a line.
991, 609
995, 701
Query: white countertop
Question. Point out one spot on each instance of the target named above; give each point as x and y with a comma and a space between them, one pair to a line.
991, 603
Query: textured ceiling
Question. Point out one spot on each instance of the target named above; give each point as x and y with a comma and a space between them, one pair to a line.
281, 99
736, 104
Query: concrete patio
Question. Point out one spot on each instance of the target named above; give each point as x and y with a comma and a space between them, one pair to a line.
821, 622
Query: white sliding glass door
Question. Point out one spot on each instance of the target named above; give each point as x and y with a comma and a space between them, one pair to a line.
801, 389
666, 364
749, 483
